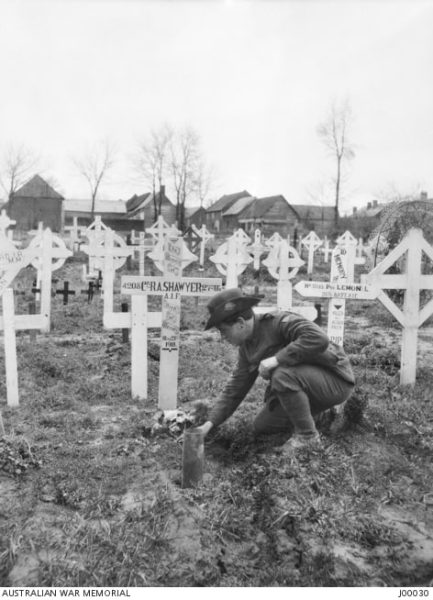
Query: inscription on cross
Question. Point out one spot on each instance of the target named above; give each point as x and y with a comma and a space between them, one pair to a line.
172, 286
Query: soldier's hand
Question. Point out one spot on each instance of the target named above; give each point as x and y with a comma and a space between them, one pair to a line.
266, 367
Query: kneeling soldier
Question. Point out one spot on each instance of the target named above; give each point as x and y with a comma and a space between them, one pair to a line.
307, 373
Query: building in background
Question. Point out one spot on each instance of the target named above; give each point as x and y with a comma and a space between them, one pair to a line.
230, 216
113, 213
320, 219
195, 215
215, 210
36, 201
145, 206
271, 214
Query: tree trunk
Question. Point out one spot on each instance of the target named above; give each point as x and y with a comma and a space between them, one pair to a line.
337, 191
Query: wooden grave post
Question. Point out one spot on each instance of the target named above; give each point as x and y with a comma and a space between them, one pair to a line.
273, 240
241, 236
160, 229
312, 242
343, 261
412, 282
95, 234
74, 234
205, 238
140, 247
138, 320
192, 239
283, 263
51, 253
326, 250
257, 249
12, 260
231, 259
65, 292
172, 286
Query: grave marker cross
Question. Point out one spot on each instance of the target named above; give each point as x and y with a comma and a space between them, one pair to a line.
65, 292
312, 242
412, 282
231, 259
205, 236
171, 287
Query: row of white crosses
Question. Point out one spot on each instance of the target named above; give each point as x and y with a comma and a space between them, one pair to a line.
340, 287
45, 253
412, 281
108, 257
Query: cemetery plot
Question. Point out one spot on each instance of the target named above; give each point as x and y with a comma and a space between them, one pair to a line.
91, 479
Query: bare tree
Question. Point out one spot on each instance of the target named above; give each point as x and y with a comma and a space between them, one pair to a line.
94, 167
203, 183
335, 134
17, 164
151, 162
185, 161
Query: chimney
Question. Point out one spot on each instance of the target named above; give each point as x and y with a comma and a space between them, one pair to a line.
162, 191
354, 210
423, 196
368, 205
374, 203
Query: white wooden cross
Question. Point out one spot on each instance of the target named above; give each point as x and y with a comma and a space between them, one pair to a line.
312, 242
74, 233
108, 254
346, 238
273, 240
51, 253
172, 286
158, 252
206, 236
338, 292
95, 234
257, 249
231, 259
342, 272
326, 250
5, 221
241, 236
160, 229
12, 261
283, 263
412, 282
141, 245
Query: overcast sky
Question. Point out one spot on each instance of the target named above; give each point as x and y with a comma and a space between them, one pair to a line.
253, 78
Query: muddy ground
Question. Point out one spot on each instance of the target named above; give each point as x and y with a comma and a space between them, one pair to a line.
90, 491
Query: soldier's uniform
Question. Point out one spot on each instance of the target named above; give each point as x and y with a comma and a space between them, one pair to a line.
313, 374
